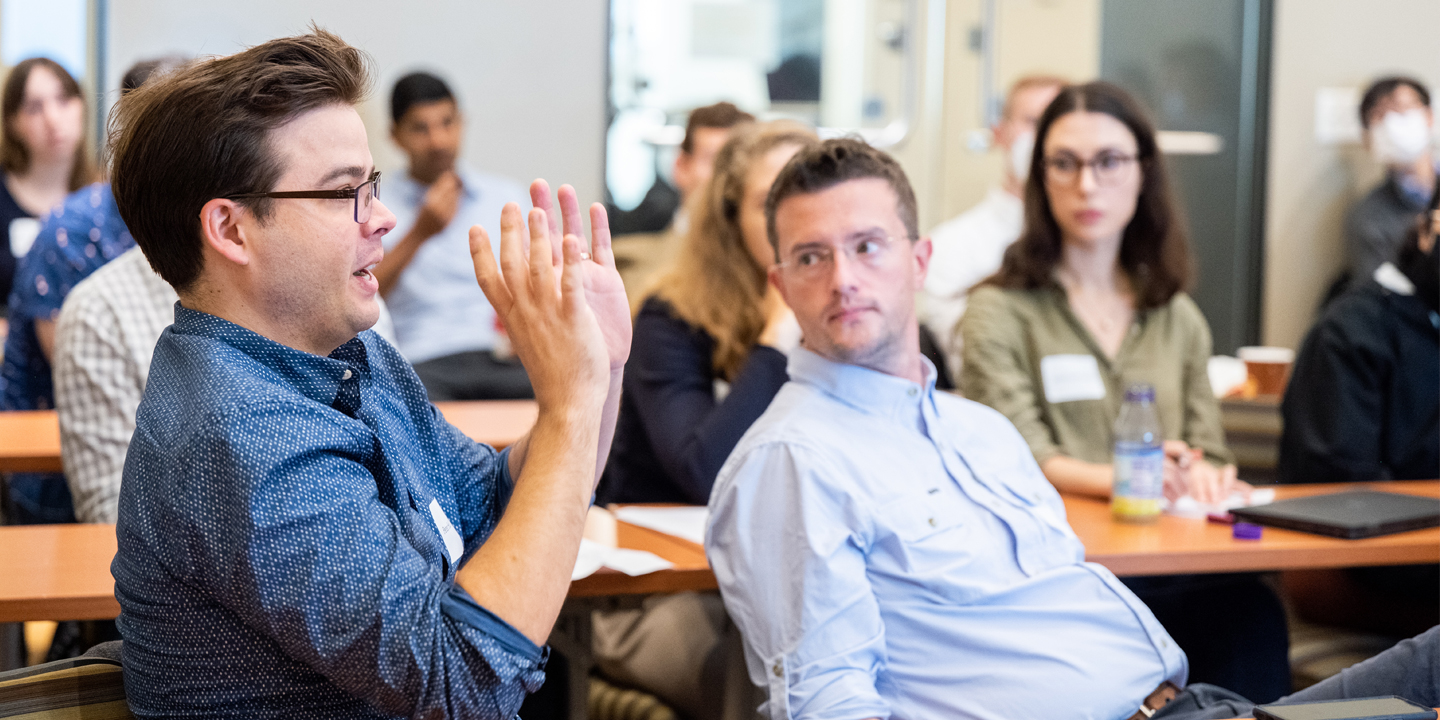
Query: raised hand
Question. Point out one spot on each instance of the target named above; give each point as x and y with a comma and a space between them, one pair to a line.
539, 291
604, 290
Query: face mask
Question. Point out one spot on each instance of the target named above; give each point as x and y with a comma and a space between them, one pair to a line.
1020, 151
1400, 138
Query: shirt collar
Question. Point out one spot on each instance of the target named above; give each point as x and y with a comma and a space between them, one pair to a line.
334, 380
1410, 190
867, 390
1393, 280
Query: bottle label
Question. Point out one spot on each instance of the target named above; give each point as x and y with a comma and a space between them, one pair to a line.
1139, 480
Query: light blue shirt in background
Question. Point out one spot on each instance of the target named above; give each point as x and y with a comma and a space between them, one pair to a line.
890, 551
437, 306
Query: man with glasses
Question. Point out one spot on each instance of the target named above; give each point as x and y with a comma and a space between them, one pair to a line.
301, 534
890, 551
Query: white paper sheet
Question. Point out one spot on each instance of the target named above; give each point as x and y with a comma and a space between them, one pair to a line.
635, 562
593, 556
687, 523
1189, 507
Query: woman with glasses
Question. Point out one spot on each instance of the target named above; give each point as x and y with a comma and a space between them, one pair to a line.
1089, 300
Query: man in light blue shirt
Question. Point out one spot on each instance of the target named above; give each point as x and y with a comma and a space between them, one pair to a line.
444, 326
890, 551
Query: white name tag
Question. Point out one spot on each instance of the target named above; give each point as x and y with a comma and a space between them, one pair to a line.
23, 232
453, 546
1071, 377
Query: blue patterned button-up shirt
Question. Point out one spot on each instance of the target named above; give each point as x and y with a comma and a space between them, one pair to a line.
278, 551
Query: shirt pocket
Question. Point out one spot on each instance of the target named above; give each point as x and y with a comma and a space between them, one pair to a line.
930, 532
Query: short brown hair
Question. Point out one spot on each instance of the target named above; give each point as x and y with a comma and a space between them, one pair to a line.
826, 164
203, 132
1154, 250
14, 156
721, 116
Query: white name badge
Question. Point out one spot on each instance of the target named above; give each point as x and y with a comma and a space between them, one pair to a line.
453, 546
1071, 377
23, 232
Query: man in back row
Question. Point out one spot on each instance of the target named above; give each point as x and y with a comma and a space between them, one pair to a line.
443, 324
891, 551
300, 533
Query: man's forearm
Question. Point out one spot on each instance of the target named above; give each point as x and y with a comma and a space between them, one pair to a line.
522, 572
608, 418
396, 259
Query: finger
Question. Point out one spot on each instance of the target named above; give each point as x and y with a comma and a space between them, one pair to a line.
542, 272
570, 213
572, 280
487, 273
513, 265
600, 249
540, 197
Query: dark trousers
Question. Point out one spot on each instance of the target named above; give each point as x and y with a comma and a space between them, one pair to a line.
1411, 670
475, 375
1230, 625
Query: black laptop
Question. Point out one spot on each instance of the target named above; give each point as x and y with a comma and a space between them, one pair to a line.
1350, 515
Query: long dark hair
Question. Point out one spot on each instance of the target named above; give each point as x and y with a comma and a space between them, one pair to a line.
14, 156
1154, 251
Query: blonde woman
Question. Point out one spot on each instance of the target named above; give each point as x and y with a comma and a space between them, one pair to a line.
710, 337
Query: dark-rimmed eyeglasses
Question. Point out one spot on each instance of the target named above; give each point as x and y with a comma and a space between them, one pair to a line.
363, 196
1109, 167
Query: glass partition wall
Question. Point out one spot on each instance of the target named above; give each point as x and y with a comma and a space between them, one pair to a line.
846, 66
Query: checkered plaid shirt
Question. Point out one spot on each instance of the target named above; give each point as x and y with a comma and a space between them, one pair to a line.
103, 343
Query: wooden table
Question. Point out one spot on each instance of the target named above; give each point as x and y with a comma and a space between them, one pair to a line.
1181, 545
30, 439
57, 572
62, 572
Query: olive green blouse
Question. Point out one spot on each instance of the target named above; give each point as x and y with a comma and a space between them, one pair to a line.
1028, 356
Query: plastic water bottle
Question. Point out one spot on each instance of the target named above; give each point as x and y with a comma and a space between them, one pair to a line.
1139, 458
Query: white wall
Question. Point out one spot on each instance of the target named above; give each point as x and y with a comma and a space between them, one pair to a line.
530, 76
1326, 43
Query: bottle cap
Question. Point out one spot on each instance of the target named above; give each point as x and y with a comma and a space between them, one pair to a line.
1246, 531
1140, 392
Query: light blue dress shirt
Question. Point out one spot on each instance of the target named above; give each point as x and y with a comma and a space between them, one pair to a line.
437, 306
890, 551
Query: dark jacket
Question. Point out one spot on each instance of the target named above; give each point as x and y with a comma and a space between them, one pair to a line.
673, 433
1364, 398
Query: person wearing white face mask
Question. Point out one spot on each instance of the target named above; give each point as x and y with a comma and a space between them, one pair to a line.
968, 247
1399, 131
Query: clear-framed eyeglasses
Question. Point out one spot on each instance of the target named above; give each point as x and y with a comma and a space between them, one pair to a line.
363, 196
812, 260
1109, 167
